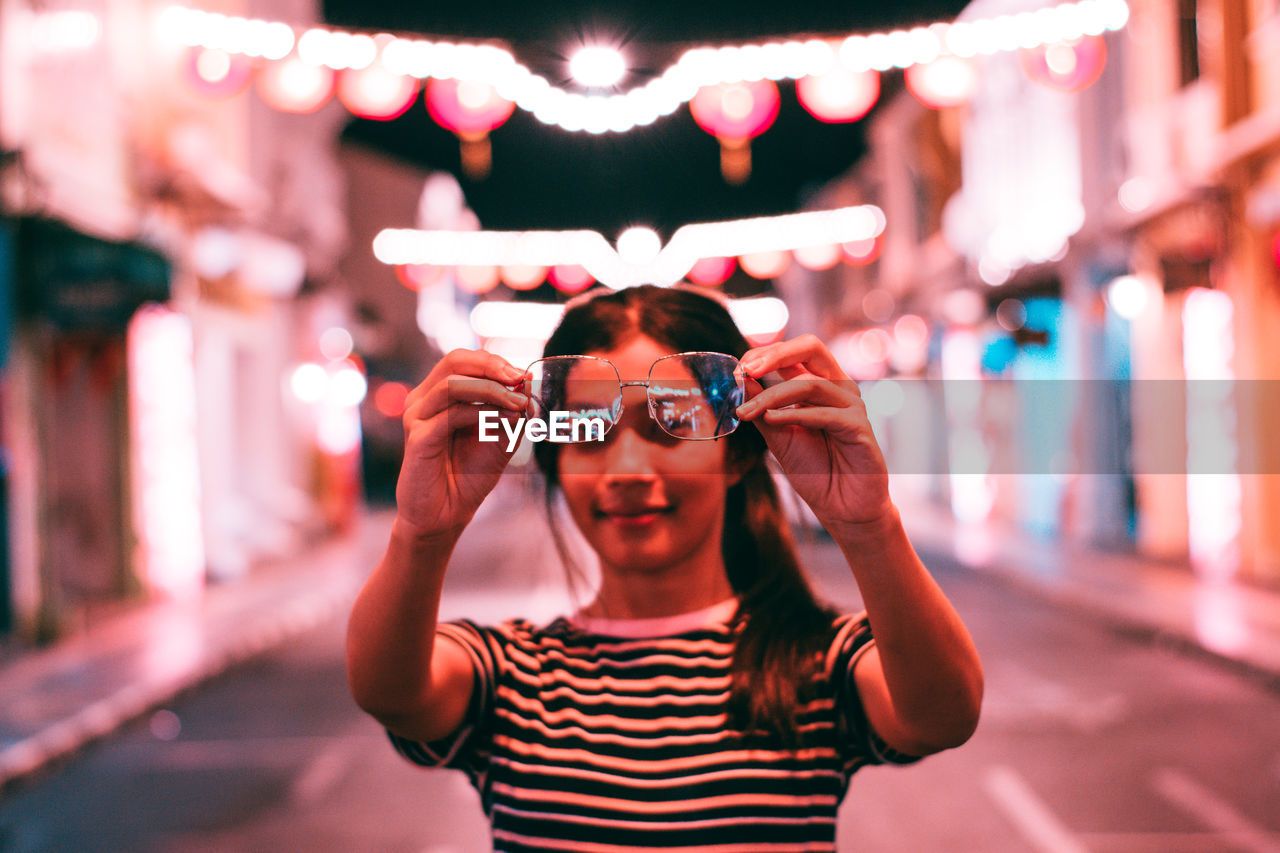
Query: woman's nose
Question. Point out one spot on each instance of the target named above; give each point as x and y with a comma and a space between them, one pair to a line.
629, 455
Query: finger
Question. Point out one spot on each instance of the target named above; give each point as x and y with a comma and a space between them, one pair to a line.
826, 418
807, 351
467, 422
463, 422
464, 389
810, 390
465, 362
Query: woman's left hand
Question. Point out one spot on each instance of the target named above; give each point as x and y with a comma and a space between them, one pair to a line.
816, 424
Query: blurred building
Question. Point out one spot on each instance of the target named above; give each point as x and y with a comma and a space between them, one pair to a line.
1090, 240
171, 244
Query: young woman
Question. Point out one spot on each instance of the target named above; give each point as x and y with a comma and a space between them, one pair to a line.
704, 700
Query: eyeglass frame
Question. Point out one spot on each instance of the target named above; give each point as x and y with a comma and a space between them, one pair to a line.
738, 373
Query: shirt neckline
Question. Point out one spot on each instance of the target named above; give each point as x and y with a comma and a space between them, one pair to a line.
659, 626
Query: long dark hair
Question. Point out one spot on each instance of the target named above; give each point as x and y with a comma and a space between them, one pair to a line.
783, 628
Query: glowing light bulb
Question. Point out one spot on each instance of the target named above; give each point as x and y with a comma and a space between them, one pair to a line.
597, 67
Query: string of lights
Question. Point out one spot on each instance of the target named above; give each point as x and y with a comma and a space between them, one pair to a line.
479, 65
639, 256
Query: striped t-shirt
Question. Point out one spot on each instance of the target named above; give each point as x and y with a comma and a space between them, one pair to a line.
611, 735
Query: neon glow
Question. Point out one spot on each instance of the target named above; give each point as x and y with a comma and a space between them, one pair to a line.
1213, 484
162, 414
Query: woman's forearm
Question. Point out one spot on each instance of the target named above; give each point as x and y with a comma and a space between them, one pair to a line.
391, 630
931, 667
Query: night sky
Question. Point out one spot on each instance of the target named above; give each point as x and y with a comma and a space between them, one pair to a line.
663, 175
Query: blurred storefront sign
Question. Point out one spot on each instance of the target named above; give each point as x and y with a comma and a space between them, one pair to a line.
78, 282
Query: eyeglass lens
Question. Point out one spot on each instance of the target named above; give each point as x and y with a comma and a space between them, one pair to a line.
690, 395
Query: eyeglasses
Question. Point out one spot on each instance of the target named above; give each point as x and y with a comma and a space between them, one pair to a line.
692, 395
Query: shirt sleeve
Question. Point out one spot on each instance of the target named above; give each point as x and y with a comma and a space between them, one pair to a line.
860, 741
468, 748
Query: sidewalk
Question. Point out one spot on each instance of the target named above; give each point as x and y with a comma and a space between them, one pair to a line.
60, 699
57, 701
1236, 624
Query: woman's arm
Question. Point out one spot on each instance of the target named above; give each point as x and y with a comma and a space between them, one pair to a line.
399, 672
921, 684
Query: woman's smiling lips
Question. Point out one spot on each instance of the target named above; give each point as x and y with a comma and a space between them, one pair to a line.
633, 516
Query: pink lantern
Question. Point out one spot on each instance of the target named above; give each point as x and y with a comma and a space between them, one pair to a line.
471, 109
480, 278
948, 81
840, 95
1066, 66
523, 276
861, 252
376, 93
710, 272
764, 265
293, 86
735, 113
417, 276
817, 258
570, 278
216, 73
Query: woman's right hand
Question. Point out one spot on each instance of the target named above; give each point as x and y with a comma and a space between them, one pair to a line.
447, 471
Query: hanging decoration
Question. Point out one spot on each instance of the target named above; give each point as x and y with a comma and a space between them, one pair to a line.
471, 109
472, 88
948, 81
570, 278
736, 113
294, 86
711, 272
523, 276
840, 95
476, 278
376, 93
216, 73
1067, 66
704, 253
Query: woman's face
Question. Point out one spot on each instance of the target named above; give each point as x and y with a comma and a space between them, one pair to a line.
644, 500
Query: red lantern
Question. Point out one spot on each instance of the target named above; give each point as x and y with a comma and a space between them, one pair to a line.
734, 113
710, 272
570, 278
948, 81
417, 276
840, 95
1066, 66
471, 109
293, 86
376, 93
216, 73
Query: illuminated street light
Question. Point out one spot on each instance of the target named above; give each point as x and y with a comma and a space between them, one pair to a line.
597, 67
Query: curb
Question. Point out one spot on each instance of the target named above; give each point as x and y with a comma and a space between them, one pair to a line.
22, 761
